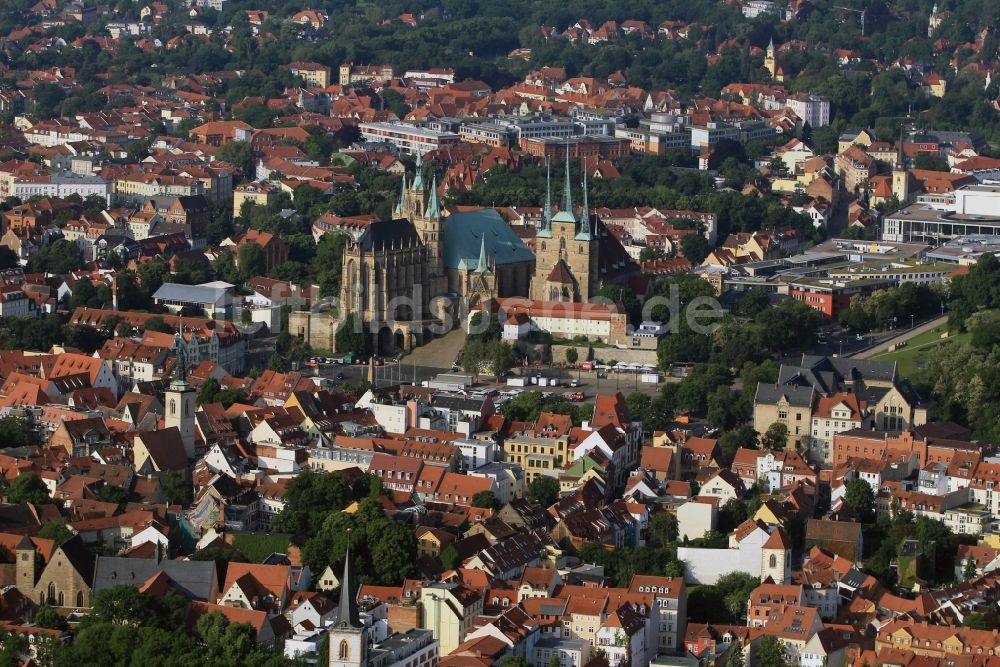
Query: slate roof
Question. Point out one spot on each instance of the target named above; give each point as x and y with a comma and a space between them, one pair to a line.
79, 557
464, 234
389, 234
770, 394
191, 578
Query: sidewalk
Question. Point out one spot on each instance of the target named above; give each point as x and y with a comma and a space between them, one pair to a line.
884, 345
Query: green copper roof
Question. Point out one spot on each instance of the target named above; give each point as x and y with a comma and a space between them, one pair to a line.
418, 178
402, 195
433, 209
467, 235
582, 465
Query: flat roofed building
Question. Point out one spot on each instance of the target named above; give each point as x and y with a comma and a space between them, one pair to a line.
407, 138
973, 210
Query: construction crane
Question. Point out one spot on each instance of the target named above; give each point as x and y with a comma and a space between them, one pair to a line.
856, 11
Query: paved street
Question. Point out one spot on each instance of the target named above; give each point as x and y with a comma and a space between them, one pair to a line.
884, 344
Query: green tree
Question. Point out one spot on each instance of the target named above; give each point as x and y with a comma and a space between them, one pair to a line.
859, 496
109, 493
327, 262
352, 338
59, 258
57, 531
501, 357
158, 324
13, 431
544, 490
969, 572
123, 605
775, 437
176, 489
489, 330
393, 550
978, 621
28, 488
572, 355
769, 652
744, 436
695, 247
485, 499
662, 529
240, 155
209, 392
47, 617
513, 661
449, 557
309, 496
251, 261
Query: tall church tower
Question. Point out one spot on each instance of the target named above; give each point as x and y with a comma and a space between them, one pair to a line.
26, 567
423, 209
179, 398
771, 62
566, 247
348, 646
900, 176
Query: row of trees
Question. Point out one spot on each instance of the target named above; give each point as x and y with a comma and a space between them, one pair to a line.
891, 308
128, 627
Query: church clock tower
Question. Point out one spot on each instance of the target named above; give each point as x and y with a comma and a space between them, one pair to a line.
179, 398
348, 646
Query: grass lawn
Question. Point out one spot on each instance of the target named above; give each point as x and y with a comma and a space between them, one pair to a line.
257, 547
918, 350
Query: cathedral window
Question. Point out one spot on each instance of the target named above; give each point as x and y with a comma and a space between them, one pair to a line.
173, 406
773, 561
344, 652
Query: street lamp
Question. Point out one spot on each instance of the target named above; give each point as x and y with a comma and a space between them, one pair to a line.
911, 320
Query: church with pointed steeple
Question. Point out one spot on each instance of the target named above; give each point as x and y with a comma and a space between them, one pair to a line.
348, 643
442, 265
771, 63
566, 249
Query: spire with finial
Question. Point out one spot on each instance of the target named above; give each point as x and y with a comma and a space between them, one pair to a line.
180, 369
568, 190
418, 178
545, 228
398, 211
483, 266
548, 193
585, 219
900, 159
346, 615
433, 209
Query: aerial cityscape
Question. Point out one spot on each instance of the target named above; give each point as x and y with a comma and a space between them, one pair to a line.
449, 333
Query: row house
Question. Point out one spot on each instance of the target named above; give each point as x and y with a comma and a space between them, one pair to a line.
133, 362
776, 469
508, 558
612, 527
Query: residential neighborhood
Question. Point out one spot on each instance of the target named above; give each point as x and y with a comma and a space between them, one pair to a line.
422, 334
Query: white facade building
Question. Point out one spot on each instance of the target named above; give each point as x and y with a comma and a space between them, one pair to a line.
407, 138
